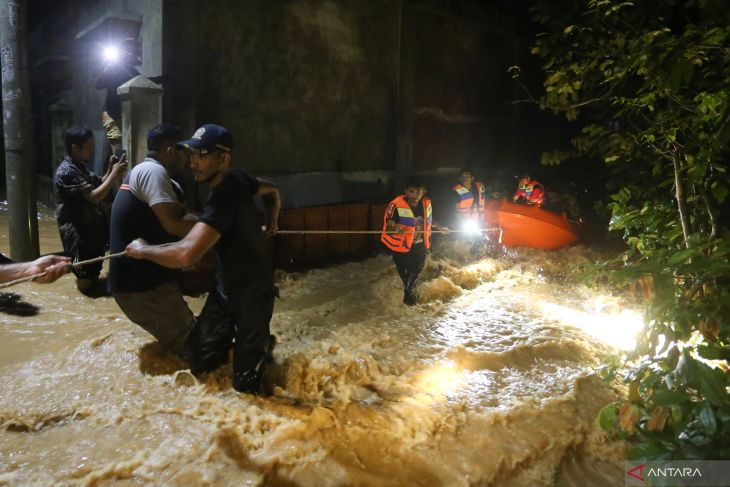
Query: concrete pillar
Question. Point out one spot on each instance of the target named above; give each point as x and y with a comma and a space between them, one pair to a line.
61, 116
141, 110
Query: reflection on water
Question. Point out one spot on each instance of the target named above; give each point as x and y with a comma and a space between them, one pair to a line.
488, 382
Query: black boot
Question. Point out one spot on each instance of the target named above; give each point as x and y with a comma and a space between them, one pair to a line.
252, 381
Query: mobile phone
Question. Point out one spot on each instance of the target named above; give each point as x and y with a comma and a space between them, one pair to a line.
119, 153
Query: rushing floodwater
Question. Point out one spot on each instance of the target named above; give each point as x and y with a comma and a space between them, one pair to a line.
489, 382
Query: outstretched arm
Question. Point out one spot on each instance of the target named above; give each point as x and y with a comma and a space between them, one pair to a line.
185, 253
53, 265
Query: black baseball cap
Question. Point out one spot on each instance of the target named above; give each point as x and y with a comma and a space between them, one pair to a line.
209, 138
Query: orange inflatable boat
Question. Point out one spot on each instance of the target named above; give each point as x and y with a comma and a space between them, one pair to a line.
528, 226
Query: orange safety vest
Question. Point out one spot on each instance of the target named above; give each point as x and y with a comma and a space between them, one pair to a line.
466, 205
402, 242
531, 191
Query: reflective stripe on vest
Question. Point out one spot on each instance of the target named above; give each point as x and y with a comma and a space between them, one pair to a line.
406, 218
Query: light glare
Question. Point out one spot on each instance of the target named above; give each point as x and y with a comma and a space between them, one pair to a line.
470, 226
618, 329
111, 53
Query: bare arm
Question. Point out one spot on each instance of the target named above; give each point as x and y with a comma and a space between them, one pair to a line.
269, 193
173, 218
112, 176
185, 253
53, 265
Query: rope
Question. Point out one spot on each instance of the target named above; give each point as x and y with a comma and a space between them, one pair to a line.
75, 264
374, 232
378, 232
279, 232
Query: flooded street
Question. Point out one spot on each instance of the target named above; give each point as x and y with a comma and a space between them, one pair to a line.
490, 381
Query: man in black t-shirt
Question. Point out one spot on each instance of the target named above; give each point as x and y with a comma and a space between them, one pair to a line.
243, 302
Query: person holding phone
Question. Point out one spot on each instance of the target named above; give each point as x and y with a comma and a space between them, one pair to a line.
82, 223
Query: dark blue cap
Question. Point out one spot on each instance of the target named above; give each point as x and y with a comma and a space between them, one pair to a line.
209, 138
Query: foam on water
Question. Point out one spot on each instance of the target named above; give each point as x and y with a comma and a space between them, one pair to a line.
484, 383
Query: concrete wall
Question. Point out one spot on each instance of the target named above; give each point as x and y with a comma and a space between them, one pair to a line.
304, 85
310, 88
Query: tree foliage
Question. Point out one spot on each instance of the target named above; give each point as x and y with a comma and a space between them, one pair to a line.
649, 84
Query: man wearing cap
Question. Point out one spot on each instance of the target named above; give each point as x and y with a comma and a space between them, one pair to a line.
243, 302
149, 205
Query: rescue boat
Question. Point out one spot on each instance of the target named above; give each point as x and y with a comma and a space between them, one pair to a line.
529, 226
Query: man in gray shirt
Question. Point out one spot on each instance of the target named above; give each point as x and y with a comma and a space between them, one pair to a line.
149, 205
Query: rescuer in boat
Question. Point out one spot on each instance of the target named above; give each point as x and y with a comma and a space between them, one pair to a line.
242, 304
529, 191
407, 225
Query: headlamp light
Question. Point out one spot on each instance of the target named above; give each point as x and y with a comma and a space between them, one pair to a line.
470, 226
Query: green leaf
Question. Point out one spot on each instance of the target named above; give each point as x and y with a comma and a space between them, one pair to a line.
706, 416
712, 384
650, 451
665, 397
719, 191
607, 417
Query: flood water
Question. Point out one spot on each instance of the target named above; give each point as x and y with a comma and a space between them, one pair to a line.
489, 382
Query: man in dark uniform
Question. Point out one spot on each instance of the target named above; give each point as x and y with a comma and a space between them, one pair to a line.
82, 223
242, 304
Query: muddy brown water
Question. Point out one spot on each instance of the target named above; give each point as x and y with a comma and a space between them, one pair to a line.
490, 381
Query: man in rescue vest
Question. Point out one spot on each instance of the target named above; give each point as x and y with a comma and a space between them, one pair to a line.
406, 233
530, 191
471, 196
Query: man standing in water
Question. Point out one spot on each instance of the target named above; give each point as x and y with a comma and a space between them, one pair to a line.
243, 302
470, 198
149, 206
82, 223
407, 234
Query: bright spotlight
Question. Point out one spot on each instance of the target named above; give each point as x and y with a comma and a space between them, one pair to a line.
618, 328
470, 226
111, 53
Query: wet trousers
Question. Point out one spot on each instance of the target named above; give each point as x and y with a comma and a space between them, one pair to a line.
409, 265
220, 323
163, 312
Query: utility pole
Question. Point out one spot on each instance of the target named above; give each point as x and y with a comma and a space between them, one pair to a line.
19, 170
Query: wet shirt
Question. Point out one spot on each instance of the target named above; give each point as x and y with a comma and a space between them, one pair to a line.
148, 184
418, 218
74, 182
243, 265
